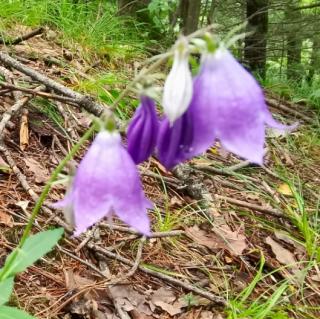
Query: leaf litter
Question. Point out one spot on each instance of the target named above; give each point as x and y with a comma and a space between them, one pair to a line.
222, 252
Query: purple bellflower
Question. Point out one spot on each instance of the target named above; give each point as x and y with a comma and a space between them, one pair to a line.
143, 130
107, 182
227, 104
174, 144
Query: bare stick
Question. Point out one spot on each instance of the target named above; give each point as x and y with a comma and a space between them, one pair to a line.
14, 109
39, 93
259, 208
281, 106
171, 280
83, 101
134, 232
135, 265
22, 38
221, 171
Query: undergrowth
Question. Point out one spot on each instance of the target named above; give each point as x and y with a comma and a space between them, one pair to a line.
93, 24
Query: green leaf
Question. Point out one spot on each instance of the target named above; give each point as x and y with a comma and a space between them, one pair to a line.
13, 313
6, 288
35, 247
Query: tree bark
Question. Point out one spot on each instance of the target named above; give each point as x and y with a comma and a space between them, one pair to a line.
189, 14
315, 57
255, 51
294, 41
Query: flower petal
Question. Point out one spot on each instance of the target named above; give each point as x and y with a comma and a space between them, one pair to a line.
142, 131
107, 180
175, 142
177, 92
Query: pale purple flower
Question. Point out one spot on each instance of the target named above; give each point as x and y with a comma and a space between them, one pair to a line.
177, 91
106, 183
228, 104
143, 130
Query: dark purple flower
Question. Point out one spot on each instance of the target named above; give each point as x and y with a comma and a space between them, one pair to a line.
107, 182
143, 130
174, 143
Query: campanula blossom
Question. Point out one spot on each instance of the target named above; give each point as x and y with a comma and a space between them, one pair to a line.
177, 91
228, 104
143, 130
107, 182
174, 144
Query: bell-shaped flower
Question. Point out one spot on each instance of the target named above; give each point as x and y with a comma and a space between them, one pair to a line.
143, 130
228, 104
174, 144
177, 91
107, 182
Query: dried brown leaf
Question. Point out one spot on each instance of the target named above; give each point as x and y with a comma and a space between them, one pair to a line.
6, 219
4, 167
39, 172
24, 131
223, 238
283, 255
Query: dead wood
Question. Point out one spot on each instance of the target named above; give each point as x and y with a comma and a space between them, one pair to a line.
173, 281
33, 92
14, 109
277, 104
22, 38
83, 101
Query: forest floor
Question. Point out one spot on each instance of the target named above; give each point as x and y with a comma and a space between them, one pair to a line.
231, 239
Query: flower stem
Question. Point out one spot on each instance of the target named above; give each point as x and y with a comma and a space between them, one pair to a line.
43, 196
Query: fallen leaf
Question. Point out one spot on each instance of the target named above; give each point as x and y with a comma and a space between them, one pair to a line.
24, 130
203, 238
75, 281
284, 189
283, 255
223, 238
6, 219
4, 167
130, 299
286, 238
164, 295
39, 172
23, 204
235, 240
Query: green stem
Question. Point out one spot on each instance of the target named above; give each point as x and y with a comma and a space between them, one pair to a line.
43, 196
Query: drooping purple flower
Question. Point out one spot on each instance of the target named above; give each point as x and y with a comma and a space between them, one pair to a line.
174, 143
107, 182
143, 130
228, 104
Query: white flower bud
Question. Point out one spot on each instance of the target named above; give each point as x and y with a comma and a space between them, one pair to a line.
177, 92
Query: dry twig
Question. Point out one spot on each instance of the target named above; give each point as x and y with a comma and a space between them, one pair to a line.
22, 38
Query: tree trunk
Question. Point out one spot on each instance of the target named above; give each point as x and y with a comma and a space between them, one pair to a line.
189, 14
131, 7
315, 57
255, 51
294, 41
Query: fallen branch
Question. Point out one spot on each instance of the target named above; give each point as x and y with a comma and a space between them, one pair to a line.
22, 38
14, 109
281, 106
135, 265
84, 101
176, 282
222, 171
134, 232
258, 208
33, 92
